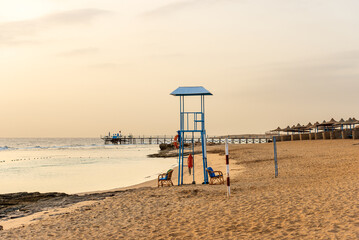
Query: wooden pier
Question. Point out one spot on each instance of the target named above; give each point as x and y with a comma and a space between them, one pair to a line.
137, 140
169, 140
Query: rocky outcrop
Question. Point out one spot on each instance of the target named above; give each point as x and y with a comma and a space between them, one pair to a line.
16, 205
165, 146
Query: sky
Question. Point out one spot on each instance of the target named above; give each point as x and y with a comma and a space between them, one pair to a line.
84, 68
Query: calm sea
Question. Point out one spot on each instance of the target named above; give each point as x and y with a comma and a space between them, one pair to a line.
74, 165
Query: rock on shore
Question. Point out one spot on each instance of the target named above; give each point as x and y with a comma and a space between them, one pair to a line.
21, 204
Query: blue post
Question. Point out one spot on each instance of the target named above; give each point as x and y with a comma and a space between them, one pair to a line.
182, 149
275, 156
204, 155
179, 157
193, 181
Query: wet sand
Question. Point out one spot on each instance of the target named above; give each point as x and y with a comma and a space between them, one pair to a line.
314, 197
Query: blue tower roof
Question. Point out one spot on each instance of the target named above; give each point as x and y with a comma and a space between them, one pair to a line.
190, 91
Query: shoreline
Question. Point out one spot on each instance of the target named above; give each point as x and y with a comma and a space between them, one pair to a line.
54, 206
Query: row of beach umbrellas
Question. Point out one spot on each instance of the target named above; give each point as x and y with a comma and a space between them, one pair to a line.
330, 125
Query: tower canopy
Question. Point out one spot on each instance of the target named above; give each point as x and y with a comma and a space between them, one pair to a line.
190, 91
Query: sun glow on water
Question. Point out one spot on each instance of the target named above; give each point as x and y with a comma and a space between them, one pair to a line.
75, 165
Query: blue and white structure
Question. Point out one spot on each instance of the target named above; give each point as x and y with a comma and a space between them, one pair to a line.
191, 124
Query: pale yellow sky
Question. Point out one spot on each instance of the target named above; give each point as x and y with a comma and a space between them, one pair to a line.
83, 68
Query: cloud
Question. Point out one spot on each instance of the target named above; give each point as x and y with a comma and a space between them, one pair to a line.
18, 32
82, 16
333, 68
175, 7
79, 52
332, 78
169, 8
166, 55
107, 65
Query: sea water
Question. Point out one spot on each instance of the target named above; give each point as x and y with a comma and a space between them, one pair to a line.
75, 165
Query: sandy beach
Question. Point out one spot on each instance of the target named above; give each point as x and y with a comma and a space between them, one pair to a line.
314, 197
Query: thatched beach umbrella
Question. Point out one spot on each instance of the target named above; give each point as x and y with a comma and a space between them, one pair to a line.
309, 127
340, 123
332, 121
349, 123
315, 126
278, 130
287, 129
327, 125
333, 124
323, 123
355, 121
300, 128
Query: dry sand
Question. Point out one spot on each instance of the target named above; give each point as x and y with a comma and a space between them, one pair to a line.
314, 197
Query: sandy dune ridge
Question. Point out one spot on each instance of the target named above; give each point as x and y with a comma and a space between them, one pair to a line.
315, 197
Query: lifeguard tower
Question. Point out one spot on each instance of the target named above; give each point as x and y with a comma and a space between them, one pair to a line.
192, 126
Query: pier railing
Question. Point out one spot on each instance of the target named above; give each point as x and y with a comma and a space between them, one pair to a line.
169, 140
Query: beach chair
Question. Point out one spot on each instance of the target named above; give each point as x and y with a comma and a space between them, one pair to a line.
215, 177
164, 179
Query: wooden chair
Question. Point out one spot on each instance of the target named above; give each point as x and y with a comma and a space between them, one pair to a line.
215, 177
164, 179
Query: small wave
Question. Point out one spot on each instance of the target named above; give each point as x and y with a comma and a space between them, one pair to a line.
34, 147
59, 147
4, 148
